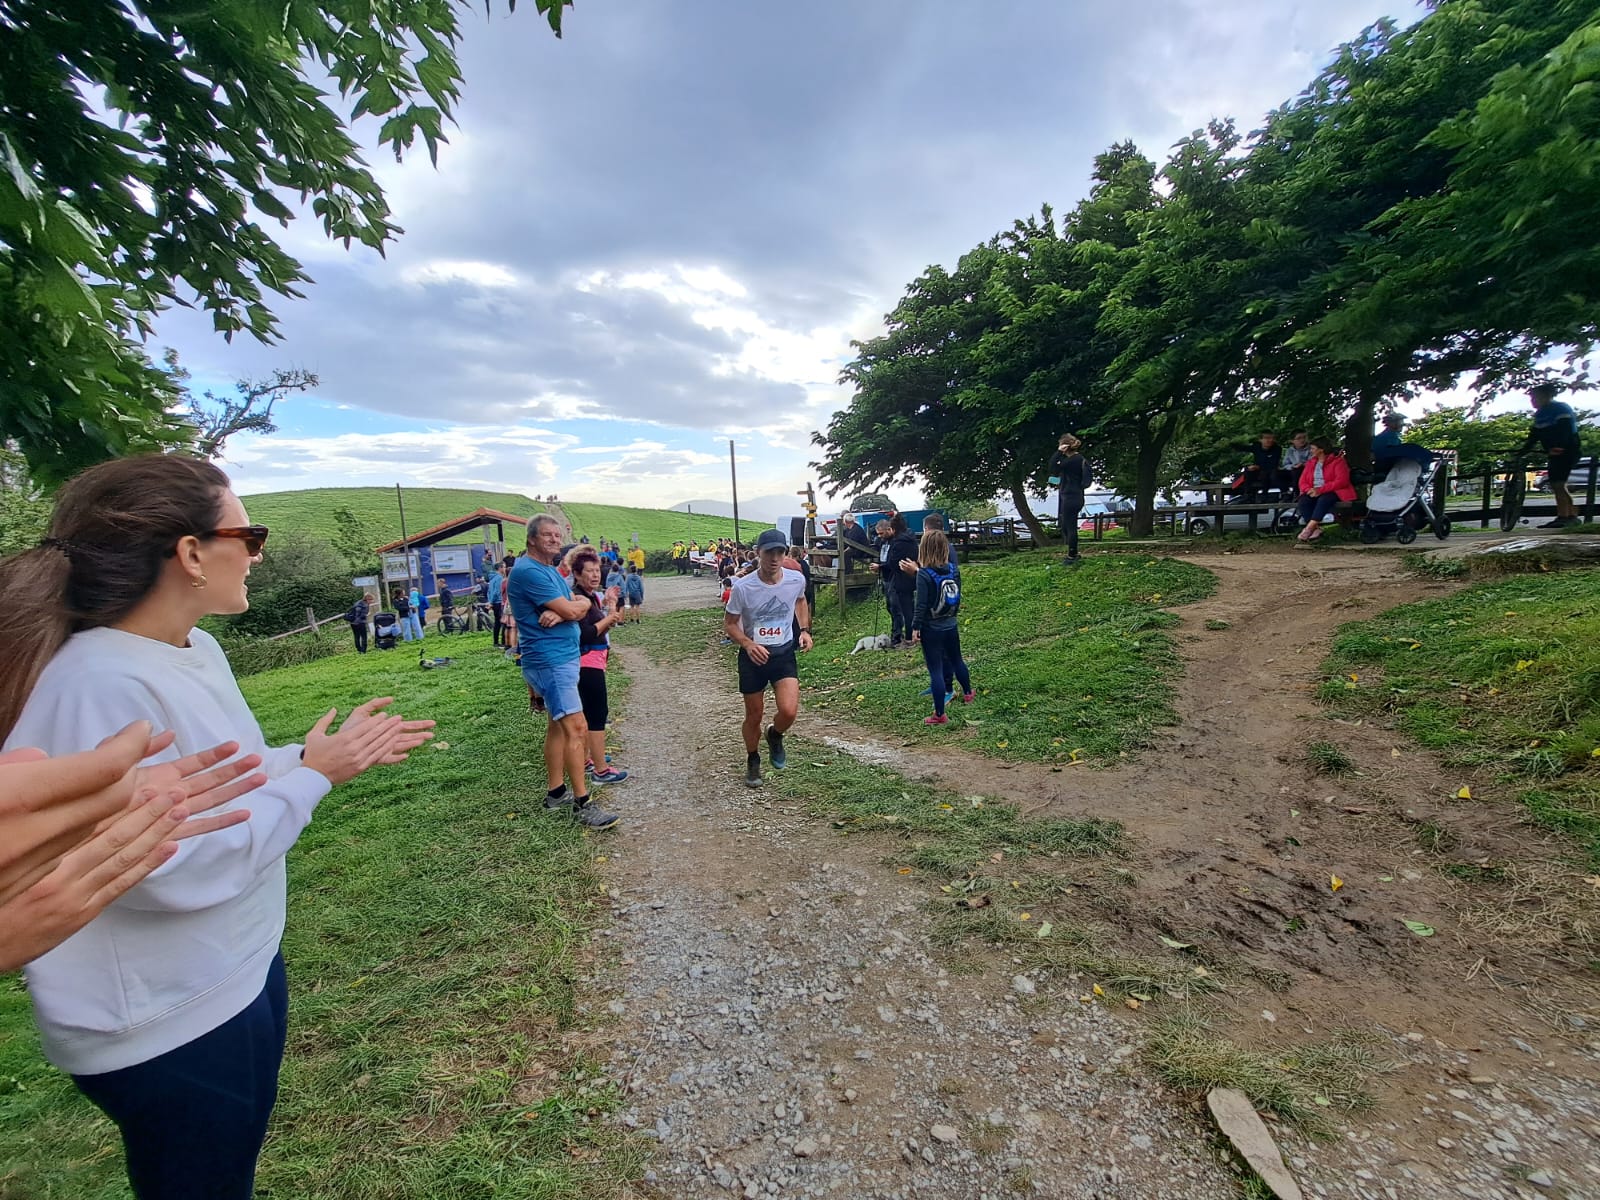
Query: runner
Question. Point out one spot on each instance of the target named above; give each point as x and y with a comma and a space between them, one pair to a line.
547, 619
768, 618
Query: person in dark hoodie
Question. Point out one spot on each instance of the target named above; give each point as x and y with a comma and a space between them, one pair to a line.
1069, 471
1265, 472
900, 588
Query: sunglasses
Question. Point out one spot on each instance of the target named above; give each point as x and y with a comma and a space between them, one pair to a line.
253, 536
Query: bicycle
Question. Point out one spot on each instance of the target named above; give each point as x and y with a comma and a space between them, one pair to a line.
1513, 495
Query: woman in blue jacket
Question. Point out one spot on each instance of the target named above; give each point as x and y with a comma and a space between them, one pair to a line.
934, 621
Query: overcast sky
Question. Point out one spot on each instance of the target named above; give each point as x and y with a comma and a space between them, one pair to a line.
662, 231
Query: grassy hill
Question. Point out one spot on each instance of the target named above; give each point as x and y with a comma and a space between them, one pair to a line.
312, 511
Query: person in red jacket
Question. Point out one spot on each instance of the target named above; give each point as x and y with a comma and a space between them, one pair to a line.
1324, 481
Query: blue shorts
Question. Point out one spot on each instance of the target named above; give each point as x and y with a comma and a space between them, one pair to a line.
558, 685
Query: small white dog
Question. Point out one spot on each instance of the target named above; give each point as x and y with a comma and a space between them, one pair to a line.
881, 642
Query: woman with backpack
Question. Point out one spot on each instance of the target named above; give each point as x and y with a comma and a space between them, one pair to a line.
359, 614
934, 623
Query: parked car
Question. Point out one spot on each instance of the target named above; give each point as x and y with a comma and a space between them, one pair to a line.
1281, 520
1582, 473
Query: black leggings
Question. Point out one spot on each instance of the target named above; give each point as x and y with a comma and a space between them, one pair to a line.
1071, 509
941, 650
498, 608
360, 633
193, 1119
592, 695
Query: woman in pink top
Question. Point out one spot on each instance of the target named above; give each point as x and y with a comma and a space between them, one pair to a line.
594, 649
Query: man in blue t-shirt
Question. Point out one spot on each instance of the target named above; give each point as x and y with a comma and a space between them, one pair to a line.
547, 629
497, 602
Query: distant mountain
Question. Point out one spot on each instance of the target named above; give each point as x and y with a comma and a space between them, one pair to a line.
756, 508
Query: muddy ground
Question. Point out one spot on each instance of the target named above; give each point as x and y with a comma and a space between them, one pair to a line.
789, 1030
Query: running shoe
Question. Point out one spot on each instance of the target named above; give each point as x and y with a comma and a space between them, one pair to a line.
775, 750
752, 770
560, 803
967, 697
936, 719
591, 816
609, 775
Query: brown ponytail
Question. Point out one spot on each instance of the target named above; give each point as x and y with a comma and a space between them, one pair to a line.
111, 529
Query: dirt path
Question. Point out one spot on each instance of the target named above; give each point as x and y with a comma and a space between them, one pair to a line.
768, 970
787, 1032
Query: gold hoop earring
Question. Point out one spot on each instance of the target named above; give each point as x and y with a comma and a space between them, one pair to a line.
199, 583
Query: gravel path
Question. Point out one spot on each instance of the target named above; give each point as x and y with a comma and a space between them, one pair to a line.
785, 1031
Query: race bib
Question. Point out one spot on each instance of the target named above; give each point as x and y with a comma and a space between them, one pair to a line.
771, 635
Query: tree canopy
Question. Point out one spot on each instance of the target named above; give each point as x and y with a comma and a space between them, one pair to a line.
146, 146
1416, 215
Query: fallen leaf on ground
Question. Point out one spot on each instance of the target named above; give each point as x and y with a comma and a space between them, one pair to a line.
1024, 916
1464, 793
977, 902
1098, 990
1044, 930
1175, 944
1418, 927
1131, 1002
1335, 883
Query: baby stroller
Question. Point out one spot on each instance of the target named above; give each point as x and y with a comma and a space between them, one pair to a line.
385, 630
1401, 503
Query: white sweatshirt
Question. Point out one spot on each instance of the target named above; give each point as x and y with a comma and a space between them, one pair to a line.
188, 948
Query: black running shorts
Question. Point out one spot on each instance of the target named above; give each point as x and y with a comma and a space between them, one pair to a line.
1561, 466
780, 664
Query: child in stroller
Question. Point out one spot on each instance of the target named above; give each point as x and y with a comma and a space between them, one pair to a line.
386, 630
1402, 502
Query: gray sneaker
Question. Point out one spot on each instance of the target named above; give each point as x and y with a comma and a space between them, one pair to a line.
591, 816
562, 803
752, 770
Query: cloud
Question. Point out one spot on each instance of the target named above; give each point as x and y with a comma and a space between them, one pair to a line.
679, 216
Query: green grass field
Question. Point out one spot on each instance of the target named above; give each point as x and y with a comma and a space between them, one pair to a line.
1065, 663
1504, 676
437, 929
313, 510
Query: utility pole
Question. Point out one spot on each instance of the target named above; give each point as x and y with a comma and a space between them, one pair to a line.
733, 476
405, 540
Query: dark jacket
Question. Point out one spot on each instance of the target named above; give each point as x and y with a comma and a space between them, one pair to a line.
1073, 471
589, 635
901, 546
928, 581
357, 614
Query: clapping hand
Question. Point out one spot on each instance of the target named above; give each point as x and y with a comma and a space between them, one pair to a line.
412, 733
51, 805
83, 829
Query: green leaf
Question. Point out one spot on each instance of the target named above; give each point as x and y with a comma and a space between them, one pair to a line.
1418, 927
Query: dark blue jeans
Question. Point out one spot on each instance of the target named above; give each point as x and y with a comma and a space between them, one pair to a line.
941, 650
901, 603
1317, 508
194, 1118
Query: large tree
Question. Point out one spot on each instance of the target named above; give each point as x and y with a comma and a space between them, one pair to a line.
144, 147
